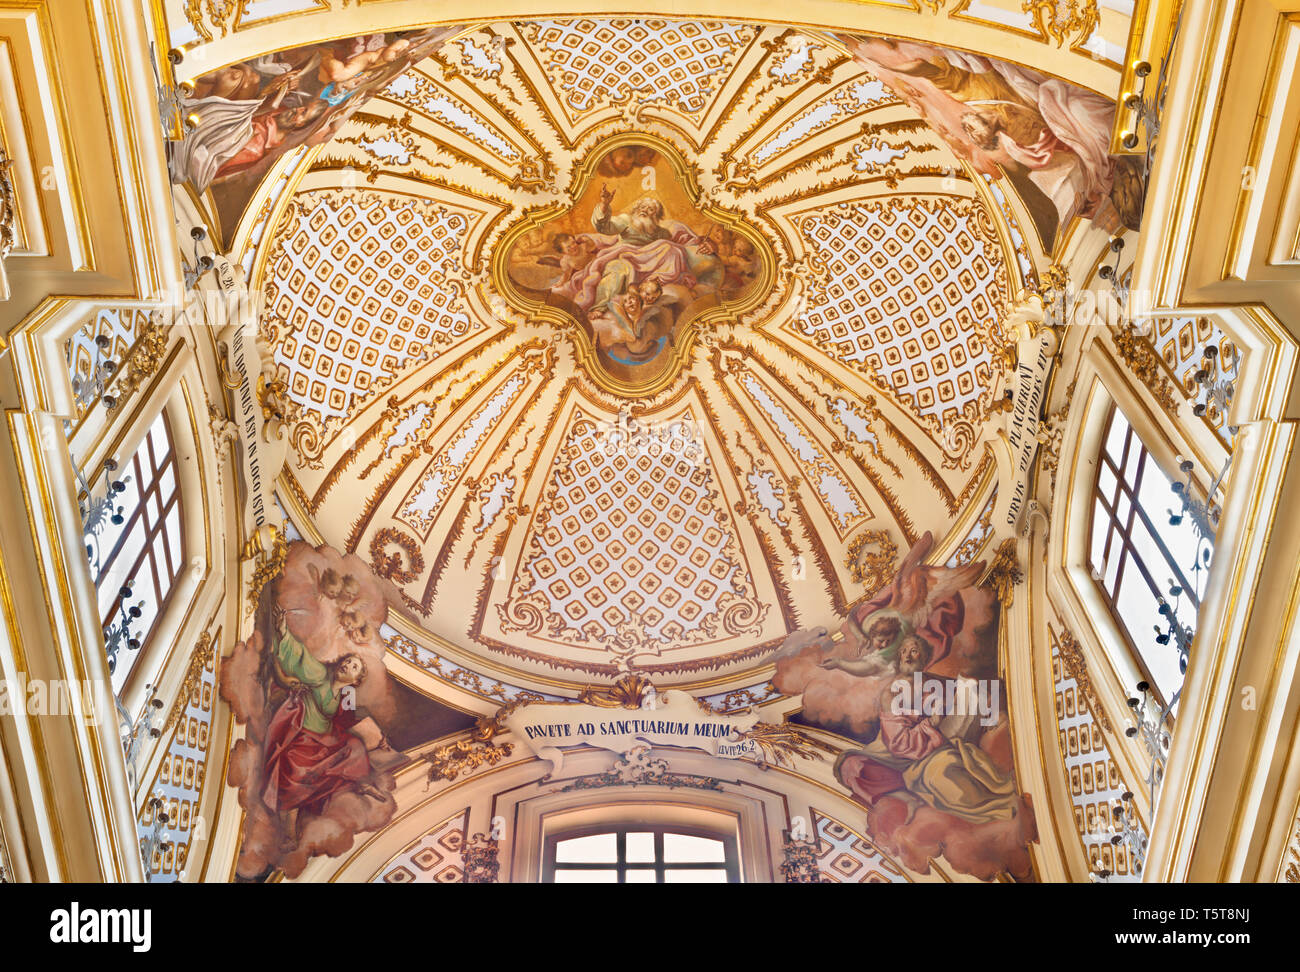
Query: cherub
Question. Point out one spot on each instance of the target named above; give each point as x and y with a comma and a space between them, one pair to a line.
575, 253
631, 305
650, 290
328, 583
880, 651
334, 69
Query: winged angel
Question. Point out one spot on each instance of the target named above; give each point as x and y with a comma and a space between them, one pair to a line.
935, 778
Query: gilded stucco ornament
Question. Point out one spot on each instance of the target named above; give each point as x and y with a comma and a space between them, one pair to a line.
267, 549
449, 761
1060, 20
1005, 572
1074, 665
200, 658
1137, 352
629, 692
8, 221
872, 569
799, 865
481, 855
144, 358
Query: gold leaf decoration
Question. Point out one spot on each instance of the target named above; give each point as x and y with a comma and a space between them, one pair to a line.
199, 660
1141, 358
872, 569
464, 756
780, 743
1005, 572
1071, 655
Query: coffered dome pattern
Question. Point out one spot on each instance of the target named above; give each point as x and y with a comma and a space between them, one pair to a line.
458, 440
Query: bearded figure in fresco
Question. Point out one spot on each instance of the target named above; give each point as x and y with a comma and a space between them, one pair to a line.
639, 269
934, 780
637, 262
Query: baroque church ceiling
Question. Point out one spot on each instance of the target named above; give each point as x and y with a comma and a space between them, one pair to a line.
561, 489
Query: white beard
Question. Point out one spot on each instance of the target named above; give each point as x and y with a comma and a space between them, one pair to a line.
643, 223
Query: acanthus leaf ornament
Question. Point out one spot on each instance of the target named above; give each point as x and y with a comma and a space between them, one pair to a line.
1141, 358
1060, 20
144, 358
1005, 573
449, 761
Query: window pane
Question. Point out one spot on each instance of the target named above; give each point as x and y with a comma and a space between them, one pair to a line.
1150, 555
1115, 436
1123, 506
1106, 484
1167, 553
1134, 462
688, 849
1140, 614
134, 551
121, 570
167, 482
1112, 565
586, 877
695, 876
639, 876
640, 848
596, 849
174, 540
1099, 521
1158, 500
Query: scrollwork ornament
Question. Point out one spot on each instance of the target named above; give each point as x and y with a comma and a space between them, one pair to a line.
1062, 19
872, 569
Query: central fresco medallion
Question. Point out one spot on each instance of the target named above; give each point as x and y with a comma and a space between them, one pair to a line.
636, 263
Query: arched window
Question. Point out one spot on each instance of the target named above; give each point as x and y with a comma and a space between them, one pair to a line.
640, 854
142, 550
1149, 559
